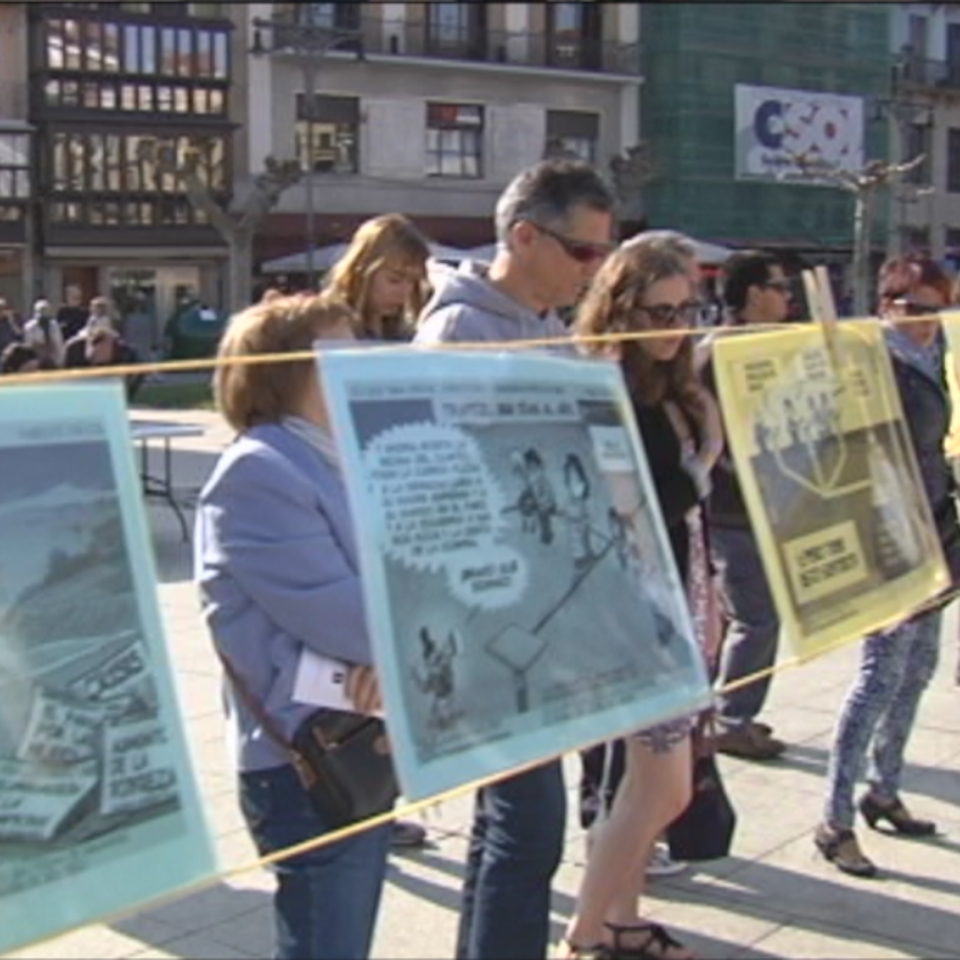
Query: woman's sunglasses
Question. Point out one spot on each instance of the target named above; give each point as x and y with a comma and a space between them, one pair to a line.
910, 309
578, 250
665, 315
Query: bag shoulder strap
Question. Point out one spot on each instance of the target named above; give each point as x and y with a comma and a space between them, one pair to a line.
253, 704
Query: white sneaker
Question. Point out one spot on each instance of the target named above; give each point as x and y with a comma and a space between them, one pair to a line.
661, 864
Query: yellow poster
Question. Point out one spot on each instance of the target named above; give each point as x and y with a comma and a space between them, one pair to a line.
828, 474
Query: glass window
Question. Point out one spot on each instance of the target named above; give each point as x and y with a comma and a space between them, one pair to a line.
201, 100
573, 133
93, 44
72, 45
14, 166
113, 162
213, 11
91, 95
111, 47
181, 99
108, 96
61, 171
55, 44
327, 135
447, 24
204, 53
218, 102
128, 97
148, 50
953, 160
70, 93
220, 56
454, 140
93, 160
168, 52
131, 49
52, 92
185, 54
145, 97
164, 99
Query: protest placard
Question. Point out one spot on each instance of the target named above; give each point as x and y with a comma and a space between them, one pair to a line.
94, 776
519, 585
828, 473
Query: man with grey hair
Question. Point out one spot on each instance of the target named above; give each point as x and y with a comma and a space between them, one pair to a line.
554, 226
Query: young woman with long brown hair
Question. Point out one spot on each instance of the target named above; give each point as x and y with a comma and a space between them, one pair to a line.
382, 276
645, 287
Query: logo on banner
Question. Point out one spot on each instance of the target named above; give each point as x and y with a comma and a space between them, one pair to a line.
794, 135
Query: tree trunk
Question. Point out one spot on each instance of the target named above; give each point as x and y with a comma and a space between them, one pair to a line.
240, 270
862, 228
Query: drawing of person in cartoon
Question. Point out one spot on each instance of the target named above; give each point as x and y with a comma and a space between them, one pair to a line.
526, 504
438, 679
545, 499
578, 509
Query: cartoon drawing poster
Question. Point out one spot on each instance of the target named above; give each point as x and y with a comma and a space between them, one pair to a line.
828, 473
99, 810
519, 585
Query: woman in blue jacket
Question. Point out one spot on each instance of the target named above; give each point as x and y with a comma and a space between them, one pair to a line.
897, 664
277, 567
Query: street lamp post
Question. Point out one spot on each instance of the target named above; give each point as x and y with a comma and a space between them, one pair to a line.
308, 43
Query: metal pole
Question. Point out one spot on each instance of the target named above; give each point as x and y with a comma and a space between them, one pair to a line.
310, 84
863, 217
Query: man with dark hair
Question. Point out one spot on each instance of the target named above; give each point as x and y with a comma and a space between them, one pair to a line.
756, 291
755, 288
554, 226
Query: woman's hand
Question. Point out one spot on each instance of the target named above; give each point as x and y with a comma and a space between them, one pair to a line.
363, 690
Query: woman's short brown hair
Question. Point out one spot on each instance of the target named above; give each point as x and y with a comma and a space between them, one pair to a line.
247, 394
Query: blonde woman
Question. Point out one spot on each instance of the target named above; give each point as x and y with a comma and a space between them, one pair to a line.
383, 277
645, 286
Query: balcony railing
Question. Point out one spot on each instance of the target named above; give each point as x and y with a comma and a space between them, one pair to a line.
417, 39
931, 73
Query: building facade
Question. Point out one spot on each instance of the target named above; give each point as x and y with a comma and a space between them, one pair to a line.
16, 185
925, 45
429, 109
113, 88
696, 55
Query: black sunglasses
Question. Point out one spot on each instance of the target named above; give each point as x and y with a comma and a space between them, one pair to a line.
667, 315
910, 309
579, 250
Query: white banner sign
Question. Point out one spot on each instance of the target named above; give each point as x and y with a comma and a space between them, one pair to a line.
796, 136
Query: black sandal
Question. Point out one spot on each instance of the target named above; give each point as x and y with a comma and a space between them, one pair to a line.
656, 935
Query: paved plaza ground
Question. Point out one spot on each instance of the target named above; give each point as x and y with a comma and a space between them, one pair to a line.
772, 898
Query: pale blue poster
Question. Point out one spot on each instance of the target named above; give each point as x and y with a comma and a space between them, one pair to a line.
99, 809
519, 584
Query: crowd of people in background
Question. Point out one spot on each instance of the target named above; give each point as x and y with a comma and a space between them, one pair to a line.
73, 337
557, 270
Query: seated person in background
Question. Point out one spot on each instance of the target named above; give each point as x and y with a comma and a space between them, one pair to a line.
11, 330
19, 358
99, 345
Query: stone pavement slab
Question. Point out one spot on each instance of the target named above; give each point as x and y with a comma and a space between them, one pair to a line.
772, 898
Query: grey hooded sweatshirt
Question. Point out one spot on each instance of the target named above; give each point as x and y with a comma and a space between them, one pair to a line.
467, 307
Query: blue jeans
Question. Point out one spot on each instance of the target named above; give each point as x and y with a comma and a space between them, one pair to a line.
515, 849
753, 629
895, 668
325, 905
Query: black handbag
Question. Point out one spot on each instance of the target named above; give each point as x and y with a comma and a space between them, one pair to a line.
704, 831
342, 759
